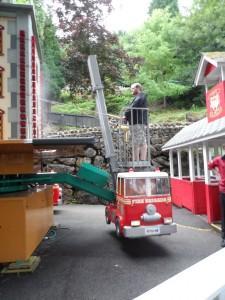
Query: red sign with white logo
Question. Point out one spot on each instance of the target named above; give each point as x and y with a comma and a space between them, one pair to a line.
215, 102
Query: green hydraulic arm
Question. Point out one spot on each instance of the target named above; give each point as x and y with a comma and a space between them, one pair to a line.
10, 184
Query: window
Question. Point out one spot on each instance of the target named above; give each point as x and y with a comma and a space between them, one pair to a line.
14, 100
13, 70
147, 187
13, 41
1, 82
1, 39
135, 187
160, 186
14, 134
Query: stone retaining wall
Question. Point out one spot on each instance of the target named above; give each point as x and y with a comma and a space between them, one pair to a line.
159, 135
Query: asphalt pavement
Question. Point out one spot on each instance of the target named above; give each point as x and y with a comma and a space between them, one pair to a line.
85, 260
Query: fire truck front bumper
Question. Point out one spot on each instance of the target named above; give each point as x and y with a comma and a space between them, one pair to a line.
142, 231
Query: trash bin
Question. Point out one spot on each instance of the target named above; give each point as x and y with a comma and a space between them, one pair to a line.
57, 194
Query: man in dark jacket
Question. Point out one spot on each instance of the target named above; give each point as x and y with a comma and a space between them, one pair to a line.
136, 115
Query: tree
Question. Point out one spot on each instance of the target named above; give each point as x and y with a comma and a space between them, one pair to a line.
170, 48
52, 54
53, 69
202, 31
84, 34
155, 47
171, 5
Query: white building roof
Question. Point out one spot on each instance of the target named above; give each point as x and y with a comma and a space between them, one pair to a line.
197, 132
216, 59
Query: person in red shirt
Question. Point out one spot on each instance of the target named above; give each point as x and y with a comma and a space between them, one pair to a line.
218, 163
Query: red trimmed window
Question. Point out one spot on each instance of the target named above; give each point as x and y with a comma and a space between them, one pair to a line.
1, 82
1, 39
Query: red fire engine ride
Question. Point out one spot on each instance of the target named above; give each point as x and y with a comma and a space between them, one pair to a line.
143, 203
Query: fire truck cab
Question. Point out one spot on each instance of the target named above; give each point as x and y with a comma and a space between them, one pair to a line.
143, 205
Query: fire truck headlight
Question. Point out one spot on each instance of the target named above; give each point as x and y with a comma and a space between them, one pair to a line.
168, 220
151, 209
135, 223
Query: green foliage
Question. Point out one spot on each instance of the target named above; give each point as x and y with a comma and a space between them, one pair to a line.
75, 104
52, 53
171, 5
22, 1
201, 31
80, 108
157, 114
206, 25
176, 115
54, 79
163, 55
40, 15
116, 102
154, 47
66, 96
168, 47
83, 35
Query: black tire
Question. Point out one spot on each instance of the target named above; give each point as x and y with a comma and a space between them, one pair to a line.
107, 219
118, 228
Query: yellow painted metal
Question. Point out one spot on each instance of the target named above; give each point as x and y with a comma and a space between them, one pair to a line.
25, 218
16, 157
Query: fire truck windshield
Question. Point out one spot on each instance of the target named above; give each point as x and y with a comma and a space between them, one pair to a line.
146, 186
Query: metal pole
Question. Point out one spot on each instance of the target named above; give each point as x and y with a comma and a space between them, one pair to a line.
198, 162
102, 112
222, 73
191, 164
179, 163
206, 159
171, 163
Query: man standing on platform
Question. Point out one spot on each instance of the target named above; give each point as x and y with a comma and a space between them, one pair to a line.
136, 115
218, 163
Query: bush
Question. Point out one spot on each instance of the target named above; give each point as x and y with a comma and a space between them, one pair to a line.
77, 104
115, 103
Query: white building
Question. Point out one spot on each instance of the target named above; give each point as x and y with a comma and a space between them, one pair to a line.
20, 73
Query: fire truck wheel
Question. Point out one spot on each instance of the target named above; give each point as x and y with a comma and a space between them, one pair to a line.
118, 229
107, 219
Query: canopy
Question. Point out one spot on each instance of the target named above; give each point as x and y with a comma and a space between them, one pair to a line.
197, 132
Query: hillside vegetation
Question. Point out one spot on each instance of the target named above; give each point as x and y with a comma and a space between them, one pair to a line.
158, 114
163, 54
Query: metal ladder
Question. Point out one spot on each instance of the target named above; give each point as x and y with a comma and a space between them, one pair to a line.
121, 158
98, 88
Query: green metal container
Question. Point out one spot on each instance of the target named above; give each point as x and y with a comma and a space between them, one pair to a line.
93, 174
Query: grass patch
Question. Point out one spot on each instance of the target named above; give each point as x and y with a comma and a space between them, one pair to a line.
176, 115
157, 114
81, 108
